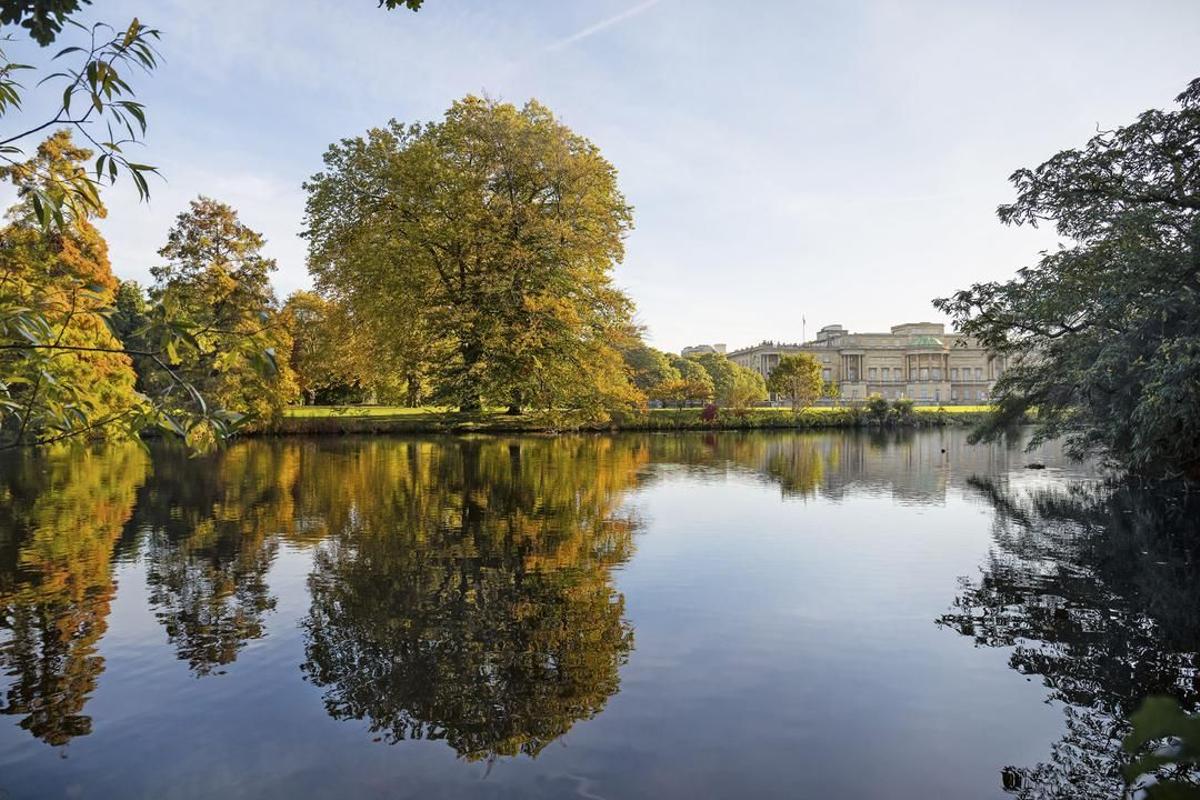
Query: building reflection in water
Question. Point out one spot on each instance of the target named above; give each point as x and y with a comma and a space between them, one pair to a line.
907, 466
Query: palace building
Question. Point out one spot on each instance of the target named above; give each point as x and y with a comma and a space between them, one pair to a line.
700, 349
917, 360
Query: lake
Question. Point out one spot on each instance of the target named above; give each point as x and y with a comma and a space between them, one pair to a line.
741, 615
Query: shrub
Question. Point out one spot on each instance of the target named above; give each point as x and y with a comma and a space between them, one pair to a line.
902, 409
877, 408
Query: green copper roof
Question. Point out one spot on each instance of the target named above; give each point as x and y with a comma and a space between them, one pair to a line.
927, 341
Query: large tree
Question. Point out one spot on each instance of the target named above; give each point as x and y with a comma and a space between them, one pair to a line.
493, 233
748, 388
797, 378
1103, 333
216, 282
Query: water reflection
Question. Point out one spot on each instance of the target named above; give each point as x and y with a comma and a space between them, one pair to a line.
210, 528
1094, 589
462, 589
468, 599
909, 466
62, 515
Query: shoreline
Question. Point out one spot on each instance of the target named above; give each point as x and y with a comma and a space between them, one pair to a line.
350, 421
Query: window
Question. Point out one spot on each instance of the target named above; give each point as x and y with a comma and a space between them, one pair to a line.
953, 394
979, 373
825, 375
853, 374
871, 373
924, 392
954, 373
924, 373
982, 394
887, 373
937, 373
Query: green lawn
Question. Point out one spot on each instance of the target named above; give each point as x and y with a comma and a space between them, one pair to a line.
320, 412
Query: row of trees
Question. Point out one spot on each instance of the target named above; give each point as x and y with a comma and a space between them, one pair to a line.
210, 334
464, 262
201, 343
341, 356
79, 354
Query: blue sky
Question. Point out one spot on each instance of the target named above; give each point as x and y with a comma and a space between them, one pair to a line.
840, 160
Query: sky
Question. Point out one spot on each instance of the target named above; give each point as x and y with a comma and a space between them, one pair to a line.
836, 162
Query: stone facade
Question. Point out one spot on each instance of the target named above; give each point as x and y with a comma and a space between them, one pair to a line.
917, 360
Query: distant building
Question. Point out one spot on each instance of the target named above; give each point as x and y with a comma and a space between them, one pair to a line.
698, 349
917, 360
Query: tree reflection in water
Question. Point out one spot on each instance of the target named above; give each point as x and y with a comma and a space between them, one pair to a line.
467, 597
461, 588
62, 514
491, 556
211, 527
1094, 589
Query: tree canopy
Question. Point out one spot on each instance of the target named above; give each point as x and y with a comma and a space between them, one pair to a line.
797, 378
733, 385
61, 367
648, 368
491, 235
324, 347
43, 19
216, 281
52, 242
93, 88
1103, 333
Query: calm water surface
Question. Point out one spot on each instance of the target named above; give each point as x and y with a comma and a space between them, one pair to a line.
836, 615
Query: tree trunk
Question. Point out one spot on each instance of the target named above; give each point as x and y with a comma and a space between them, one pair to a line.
413, 395
471, 398
514, 405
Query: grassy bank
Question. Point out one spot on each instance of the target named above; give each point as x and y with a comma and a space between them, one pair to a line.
392, 419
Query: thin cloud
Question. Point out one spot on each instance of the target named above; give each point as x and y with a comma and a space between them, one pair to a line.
604, 24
